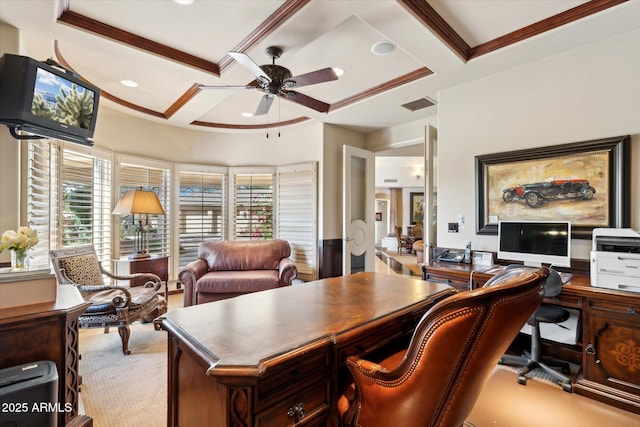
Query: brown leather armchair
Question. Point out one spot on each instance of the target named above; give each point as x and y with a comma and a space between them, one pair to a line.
454, 349
229, 268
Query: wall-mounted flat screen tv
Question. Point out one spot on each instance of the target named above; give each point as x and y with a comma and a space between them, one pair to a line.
46, 101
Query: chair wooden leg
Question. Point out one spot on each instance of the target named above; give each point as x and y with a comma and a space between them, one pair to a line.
124, 332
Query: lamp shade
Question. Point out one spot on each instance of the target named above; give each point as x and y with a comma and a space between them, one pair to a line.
138, 202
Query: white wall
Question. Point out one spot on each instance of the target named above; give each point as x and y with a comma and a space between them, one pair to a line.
9, 156
402, 170
131, 135
331, 178
589, 93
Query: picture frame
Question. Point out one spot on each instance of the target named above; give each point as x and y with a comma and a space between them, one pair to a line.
587, 183
416, 208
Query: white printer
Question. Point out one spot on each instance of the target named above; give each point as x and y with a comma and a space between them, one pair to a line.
615, 259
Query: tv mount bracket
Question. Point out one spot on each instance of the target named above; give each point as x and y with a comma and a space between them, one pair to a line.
12, 131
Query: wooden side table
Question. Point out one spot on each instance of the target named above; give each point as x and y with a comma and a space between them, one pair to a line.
156, 264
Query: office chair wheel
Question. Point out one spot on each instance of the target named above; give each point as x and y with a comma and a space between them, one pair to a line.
522, 380
567, 387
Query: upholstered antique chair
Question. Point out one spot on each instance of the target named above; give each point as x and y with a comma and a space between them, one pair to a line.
404, 242
453, 351
112, 305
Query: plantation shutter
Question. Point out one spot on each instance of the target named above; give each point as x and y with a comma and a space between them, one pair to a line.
86, 200
156, 176
42, 198
252, 207
201, 211
297, 215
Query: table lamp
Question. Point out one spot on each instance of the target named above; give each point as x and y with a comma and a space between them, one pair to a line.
139, 203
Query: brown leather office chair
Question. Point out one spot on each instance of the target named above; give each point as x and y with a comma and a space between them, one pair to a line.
452, 353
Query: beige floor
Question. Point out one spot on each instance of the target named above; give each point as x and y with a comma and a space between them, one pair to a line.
505, 403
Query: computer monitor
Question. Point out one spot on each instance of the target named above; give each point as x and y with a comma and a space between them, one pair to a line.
535, 242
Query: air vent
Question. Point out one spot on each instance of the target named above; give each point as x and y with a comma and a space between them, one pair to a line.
419, 104
391, 180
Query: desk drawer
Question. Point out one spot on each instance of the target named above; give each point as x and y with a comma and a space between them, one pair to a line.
371, 341
564, 300
308, 407
288, 378
458, 282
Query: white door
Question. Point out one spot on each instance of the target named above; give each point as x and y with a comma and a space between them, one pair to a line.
358, 206
430, 191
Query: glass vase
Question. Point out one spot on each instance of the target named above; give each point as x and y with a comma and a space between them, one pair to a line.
20, 260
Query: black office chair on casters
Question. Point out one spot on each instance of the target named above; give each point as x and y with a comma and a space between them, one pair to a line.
546, 313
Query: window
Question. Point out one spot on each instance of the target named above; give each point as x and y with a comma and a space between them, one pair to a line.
202, 214
42, 196
297, 210
72, 207
86, 201
71, 190
135, 173
252, 208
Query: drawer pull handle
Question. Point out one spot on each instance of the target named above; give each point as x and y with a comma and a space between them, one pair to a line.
590, 349
631, 310
297, 411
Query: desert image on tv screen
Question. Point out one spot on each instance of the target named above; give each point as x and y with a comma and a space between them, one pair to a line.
59, 99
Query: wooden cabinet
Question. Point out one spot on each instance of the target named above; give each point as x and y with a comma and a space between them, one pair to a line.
611, 361
48, 331
156, 264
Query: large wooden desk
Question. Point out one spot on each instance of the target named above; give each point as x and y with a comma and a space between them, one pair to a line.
608, 347
275, 358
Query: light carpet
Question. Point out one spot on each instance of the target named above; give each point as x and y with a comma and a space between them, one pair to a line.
119, 390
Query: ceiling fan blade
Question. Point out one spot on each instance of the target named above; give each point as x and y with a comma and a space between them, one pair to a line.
265, 104
227, 87
318, 76
307, 101
244, 60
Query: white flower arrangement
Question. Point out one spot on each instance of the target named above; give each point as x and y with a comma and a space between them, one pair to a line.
20, 241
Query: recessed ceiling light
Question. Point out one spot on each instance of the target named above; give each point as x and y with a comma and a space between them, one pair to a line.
338, 71
129, 83
383, 48
184, 2
247, 115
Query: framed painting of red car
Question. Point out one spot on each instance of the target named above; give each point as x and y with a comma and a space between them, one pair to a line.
587, 183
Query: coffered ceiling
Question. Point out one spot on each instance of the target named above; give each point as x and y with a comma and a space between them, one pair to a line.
173, 50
